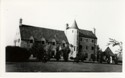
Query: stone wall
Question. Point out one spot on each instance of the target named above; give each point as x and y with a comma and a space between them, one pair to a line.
88, 47
26, 44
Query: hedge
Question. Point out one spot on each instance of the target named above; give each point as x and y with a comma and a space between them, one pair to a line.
17, 54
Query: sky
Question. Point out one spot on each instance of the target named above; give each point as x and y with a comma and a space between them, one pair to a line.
107, 16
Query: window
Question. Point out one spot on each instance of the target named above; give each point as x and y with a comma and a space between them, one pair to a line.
80, 39
53, 43
31, 41
80, 48
86, 40
18, 40
92, 48
43, 42
72, 31
74, 49
92, 41
63, 44
86, 47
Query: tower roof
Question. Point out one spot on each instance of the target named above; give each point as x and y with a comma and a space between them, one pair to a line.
74, 26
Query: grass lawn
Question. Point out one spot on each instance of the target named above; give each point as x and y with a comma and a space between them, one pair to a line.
61, 67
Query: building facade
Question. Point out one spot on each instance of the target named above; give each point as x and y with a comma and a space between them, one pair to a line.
84, 41
79, 40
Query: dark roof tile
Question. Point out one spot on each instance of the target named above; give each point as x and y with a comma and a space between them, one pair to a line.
108, 51
87, 33
38, 33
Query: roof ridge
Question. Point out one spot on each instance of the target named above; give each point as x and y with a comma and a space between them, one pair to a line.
39, 27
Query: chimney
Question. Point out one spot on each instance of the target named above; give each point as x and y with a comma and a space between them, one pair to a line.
94, 31
20, 21
67, 26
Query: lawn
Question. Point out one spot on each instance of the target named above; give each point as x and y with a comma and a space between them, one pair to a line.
61, 67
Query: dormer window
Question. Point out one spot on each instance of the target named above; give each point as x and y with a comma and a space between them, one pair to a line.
63, 44
31, 41
43, 42
53, 43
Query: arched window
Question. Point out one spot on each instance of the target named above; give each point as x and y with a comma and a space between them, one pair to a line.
63, 43
86, 47
53, 42
92, 48
31, 39
43, 41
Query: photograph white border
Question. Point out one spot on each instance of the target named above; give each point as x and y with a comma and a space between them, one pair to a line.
4, 74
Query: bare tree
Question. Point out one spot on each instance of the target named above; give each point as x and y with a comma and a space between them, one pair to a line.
114, 42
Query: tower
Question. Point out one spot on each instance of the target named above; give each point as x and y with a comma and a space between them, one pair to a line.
72, 34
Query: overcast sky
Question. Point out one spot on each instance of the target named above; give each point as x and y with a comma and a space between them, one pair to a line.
107, 16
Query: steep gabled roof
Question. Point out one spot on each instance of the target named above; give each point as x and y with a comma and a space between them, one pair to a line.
108, 51
38, 33
83, 33
86, 33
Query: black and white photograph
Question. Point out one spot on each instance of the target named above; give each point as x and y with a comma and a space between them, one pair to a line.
62, 36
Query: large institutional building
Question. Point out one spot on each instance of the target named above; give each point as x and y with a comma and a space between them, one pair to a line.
81, 40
